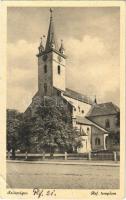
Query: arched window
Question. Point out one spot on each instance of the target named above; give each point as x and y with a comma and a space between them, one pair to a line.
45, 68
45, 88
58, 69
74, 109
97, 141
87, 129
107, 123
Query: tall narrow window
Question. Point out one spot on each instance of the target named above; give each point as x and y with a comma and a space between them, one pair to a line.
45, 68
45, 88
107, 123
87, 129
58, 69
58, 93
97, 141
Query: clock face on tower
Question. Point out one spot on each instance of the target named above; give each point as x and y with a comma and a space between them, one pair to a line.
59, 58
45, 57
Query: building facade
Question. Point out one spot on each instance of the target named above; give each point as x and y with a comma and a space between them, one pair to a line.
51, 83
107, 115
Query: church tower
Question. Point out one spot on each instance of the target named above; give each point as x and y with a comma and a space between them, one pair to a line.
51, 63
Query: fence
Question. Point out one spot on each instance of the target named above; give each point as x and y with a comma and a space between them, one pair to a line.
105, 156
78, 156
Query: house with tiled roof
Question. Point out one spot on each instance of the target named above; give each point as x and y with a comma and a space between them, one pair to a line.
94, 136
108, 108
93, 120
105, 115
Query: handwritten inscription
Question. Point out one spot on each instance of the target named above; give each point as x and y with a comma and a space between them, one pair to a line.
42, 193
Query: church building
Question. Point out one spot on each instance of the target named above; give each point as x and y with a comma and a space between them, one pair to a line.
51, 83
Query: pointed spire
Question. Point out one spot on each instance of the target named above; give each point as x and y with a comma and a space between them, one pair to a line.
61, 49
41, 47
95, 100
51, 11
51, 42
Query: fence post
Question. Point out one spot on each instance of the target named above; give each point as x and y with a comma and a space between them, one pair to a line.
115, 155
65, 155
89, 155
26, 155
8, 155
43, 155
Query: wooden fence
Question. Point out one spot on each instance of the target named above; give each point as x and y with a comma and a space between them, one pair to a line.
83, 156
105, 156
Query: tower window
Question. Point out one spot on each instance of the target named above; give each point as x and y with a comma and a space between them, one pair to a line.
58, 93
45, 88
74, 109
107, 123
59, 70
97, 141
87, 129
74, 120
45, 68
82, 111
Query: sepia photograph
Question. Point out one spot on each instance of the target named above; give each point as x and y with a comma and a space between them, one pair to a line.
63, 87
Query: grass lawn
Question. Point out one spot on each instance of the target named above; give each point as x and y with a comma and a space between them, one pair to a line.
26, 175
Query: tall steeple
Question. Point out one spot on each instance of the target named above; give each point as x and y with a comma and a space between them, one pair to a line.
51, 64
51, 42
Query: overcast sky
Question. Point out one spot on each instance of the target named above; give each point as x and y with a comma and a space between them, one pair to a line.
91, 38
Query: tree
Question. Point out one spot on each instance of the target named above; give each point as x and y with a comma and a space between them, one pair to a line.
118, 119
25, 134
52, 129
13, 124
114, 136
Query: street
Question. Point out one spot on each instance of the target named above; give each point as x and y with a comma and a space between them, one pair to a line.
52, 176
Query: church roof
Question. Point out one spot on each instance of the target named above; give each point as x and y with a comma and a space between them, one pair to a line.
51, 38
78, 96
103, 109
85, 121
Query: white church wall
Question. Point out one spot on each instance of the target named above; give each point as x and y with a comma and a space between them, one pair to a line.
80, 108
58, 78
86, 140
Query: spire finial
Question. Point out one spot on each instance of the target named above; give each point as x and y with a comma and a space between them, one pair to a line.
40, 40
62, 42
95, 100
61, 49
41, 47
51, 11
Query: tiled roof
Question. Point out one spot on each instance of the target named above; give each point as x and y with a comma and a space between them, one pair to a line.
80, 97
85, 121
103, 109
